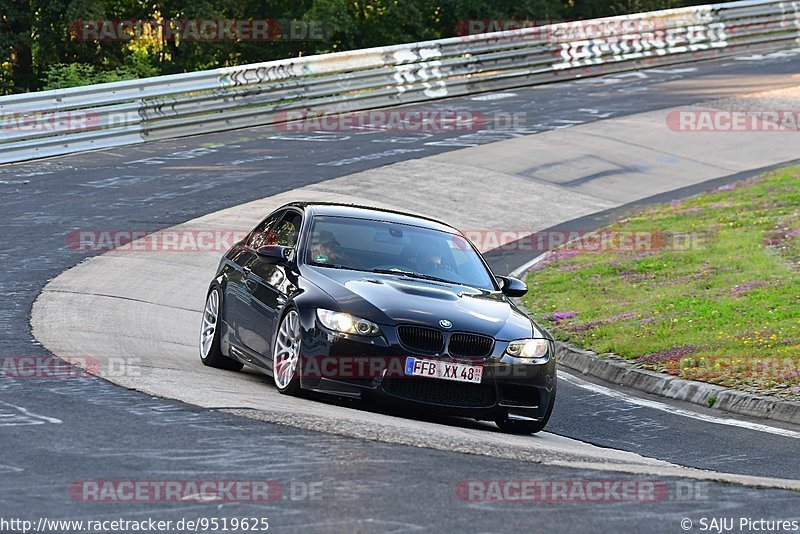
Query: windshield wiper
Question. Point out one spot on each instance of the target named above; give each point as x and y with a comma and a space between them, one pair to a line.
412, 274
334, 266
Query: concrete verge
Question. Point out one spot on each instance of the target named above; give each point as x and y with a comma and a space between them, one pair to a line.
618, 371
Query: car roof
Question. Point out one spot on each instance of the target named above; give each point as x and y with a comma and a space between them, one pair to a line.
356, 211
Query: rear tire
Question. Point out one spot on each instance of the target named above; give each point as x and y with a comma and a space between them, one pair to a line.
210, 351
526, 427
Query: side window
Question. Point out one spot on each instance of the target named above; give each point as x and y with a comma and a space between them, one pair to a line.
262, 235
287, 230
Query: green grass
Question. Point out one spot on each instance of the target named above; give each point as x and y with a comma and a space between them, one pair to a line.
713, 296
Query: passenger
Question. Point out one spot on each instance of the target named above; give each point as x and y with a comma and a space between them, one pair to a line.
326, 249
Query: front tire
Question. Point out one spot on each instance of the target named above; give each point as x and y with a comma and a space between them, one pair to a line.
210, 351
286, 354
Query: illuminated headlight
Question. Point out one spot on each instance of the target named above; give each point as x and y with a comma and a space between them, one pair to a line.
346, 323
528, 348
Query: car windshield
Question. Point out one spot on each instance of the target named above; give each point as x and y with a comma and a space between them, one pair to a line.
386, 247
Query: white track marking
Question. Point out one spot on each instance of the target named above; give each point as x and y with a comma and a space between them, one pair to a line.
31, 414
673, 71
655, 405
10, 469
493, 96
523, 269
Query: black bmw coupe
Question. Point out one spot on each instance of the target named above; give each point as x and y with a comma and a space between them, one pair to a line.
361, 302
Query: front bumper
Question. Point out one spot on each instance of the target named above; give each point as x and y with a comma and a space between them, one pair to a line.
356, 366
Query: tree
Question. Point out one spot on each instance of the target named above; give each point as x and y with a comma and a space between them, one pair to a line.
16, 33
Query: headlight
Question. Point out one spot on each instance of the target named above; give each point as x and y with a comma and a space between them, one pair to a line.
346, 323
528, 348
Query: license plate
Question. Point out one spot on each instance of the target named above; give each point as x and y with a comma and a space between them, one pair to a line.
459, 372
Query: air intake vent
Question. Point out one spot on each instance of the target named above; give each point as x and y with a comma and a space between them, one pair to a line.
421, 339
441, 392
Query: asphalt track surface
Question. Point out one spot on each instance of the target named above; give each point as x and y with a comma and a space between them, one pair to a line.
56, 432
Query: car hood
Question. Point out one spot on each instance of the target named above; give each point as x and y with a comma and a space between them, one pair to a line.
395, 299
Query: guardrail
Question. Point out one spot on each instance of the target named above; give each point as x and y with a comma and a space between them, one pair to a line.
49, 123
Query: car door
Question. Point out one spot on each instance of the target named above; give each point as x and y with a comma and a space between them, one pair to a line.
238, 291
270, 287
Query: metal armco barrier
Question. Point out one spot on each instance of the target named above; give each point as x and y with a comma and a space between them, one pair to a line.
50, 123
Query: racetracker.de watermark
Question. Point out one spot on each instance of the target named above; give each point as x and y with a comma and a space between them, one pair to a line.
198, 30
39, 122
399, 120
469, 27
718, 120
584, 240
377, 368
580, 490
130, 240
43, 367
561, 31
133, 491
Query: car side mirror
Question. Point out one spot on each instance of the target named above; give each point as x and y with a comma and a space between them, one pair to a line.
275, 254
512, 287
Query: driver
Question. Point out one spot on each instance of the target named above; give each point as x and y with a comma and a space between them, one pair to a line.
429, 260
